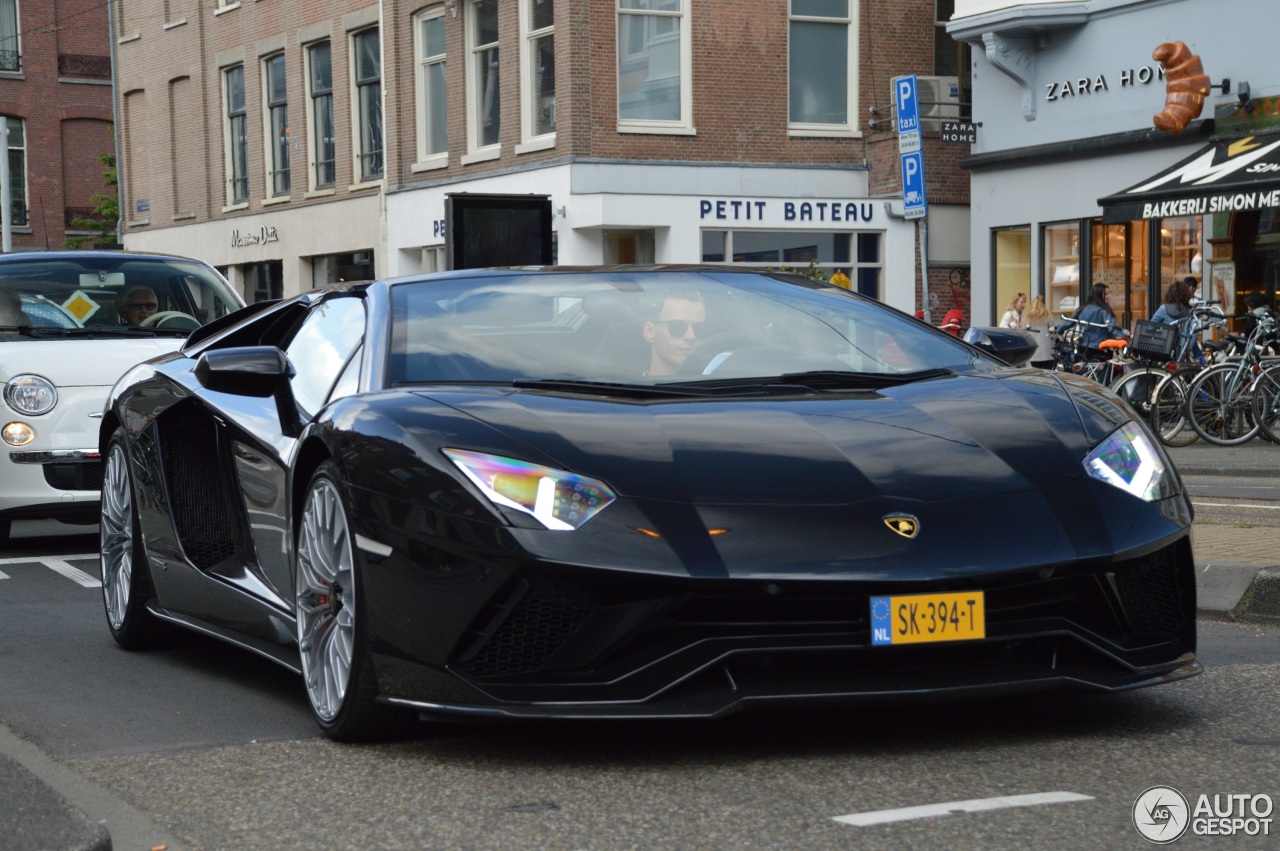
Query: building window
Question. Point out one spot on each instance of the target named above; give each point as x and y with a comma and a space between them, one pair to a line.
10, 46
368, 81
18, 172
1011, 253
538, 57
237, 154
822, 89
277, 121
484, 105
329, 270
433, 122
654, 61
857, 254
320, 118
1061, 254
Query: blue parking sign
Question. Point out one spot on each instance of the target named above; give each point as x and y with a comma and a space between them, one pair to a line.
906, 101
914, 205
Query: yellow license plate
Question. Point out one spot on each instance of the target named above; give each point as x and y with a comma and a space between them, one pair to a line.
924, 618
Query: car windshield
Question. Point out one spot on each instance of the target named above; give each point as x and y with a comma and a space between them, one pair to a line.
72, 296
654, 328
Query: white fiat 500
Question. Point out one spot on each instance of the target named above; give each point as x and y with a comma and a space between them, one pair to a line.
71, 323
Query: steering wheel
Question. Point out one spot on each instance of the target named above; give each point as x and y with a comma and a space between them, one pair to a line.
157, 318
700, 358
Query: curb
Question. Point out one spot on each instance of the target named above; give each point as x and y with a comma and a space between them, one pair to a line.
1263, 598
38, 818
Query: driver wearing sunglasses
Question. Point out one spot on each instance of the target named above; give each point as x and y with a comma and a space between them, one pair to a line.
674, 332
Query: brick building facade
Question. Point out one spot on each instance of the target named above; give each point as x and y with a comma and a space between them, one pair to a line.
661, 131
55, 92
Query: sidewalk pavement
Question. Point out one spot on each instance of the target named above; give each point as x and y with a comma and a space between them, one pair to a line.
1237, 569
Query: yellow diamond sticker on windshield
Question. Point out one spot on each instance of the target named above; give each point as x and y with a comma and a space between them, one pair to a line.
80, 306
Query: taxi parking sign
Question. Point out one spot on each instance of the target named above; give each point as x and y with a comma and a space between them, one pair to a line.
907, 103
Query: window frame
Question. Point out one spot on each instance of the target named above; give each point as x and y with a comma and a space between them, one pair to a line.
684, 124
315, 134
362, 131
16, 174
235, 117
849, 128
530, 139
476, 151
424, 117
17, 39
275, 146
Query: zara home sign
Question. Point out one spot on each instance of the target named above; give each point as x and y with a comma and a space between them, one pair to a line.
1093, 85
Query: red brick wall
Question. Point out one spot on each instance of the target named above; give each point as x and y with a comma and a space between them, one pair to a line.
67, 117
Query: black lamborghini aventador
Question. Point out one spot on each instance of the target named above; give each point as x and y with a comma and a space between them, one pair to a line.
626, 493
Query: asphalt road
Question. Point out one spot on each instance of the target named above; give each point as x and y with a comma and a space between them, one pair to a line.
205, 747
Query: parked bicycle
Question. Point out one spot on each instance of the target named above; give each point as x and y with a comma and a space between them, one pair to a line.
1219, 402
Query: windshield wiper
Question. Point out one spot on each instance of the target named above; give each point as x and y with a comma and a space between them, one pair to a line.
103, 331
823, 379
610, 388
24, 330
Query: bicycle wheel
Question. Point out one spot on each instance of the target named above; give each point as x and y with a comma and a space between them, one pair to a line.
1220, 404
1168, 415
1138, 387
1266, 403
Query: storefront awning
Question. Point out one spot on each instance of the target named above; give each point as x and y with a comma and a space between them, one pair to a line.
1229, 176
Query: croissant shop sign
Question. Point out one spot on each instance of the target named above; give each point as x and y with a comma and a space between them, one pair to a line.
1228, 176
781, 212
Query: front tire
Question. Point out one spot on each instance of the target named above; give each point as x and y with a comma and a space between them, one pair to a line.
126, 581
332, 621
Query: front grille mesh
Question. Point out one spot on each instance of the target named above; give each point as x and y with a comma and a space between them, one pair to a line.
527, 628
1149, 592
74, 476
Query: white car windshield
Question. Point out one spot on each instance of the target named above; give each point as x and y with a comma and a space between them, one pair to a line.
72, 295
652, 327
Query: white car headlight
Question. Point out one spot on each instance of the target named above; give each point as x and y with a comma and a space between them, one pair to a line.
30, 394
1128, 460
555, 498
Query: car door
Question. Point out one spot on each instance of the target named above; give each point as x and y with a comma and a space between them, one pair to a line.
320, 352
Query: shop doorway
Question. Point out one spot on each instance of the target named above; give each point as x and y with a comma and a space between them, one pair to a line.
1119, 260
263, 281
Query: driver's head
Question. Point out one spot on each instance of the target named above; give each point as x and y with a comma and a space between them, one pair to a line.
136, 303
674, 332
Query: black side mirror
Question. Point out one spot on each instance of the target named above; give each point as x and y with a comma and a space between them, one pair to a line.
1010, 345
245, 371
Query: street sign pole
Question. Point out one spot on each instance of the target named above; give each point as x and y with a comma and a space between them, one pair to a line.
915, 205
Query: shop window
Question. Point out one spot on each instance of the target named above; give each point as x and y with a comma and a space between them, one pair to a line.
857, 254
1011, 250
1061, 254
1119, 260
1180, 249
263, 281
329, 270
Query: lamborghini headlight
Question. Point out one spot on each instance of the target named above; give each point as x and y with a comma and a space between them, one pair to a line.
555, 498
30, 394
1128, 460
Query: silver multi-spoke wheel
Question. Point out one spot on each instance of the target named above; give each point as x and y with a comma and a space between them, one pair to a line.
117, 536
326, 599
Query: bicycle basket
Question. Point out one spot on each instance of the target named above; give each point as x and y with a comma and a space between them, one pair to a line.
1154, 340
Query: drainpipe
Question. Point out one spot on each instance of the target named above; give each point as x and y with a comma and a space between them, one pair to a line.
115, 123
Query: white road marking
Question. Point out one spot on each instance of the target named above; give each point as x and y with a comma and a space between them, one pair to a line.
29, 559
75, 574
975, 806
59, 564
1235, 505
